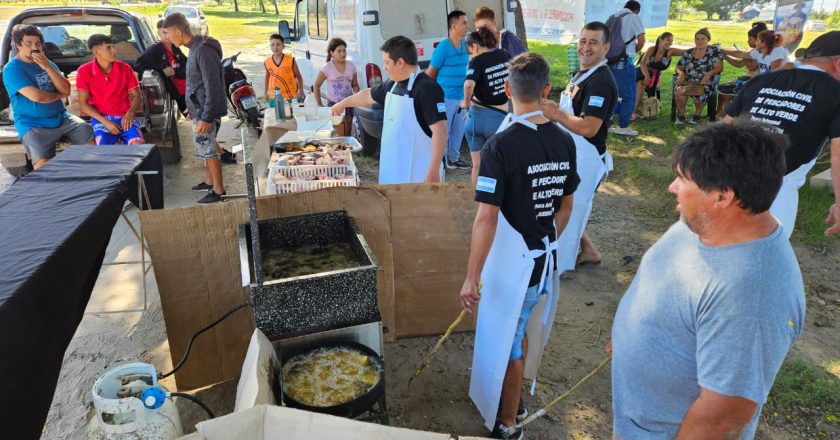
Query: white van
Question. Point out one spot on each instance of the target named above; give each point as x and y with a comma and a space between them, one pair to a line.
365, 25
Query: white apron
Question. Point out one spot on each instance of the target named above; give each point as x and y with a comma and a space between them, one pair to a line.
787, 201
405, 148
505, 278
591, 168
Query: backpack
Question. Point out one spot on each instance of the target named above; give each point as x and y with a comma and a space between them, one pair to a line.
618, 47
650, 108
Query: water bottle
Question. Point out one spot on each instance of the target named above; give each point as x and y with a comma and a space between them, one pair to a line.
279, 106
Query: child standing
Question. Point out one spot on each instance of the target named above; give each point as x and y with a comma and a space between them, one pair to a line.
340, 75
281, 72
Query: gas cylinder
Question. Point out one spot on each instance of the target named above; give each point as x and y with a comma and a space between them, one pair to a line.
119, 412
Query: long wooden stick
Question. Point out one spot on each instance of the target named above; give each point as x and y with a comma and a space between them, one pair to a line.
427, 359
557, 400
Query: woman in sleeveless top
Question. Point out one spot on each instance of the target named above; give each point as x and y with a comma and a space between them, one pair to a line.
340, 76
655, 60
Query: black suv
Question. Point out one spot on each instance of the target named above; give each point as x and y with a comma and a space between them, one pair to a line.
66, 30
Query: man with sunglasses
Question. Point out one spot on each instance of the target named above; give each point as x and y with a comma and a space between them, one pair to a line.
37, 90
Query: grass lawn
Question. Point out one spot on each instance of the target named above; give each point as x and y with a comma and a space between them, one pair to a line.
807, 390
236, 30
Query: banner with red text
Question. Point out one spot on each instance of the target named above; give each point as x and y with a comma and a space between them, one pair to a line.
553, 21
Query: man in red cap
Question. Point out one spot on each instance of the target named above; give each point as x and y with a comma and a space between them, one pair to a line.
802, 103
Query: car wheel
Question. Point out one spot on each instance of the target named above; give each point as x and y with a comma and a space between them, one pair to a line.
172, 154
370, 144
21, 170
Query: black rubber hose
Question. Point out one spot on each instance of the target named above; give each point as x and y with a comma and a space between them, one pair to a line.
196, 401
192, 339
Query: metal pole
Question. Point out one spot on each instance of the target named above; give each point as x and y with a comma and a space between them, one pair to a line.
256, 254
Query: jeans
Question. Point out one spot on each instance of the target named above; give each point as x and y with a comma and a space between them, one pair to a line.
625, 78
532, 297
482, 123
455, 126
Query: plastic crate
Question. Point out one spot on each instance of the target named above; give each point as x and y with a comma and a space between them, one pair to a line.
298, 178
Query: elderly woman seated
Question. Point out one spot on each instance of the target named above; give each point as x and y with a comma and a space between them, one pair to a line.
697, 71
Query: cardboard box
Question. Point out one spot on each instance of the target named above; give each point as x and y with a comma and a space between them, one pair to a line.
419, 233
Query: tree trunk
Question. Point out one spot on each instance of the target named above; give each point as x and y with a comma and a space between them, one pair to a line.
520, 24
262, 6
235, 5
709, 15
276, 10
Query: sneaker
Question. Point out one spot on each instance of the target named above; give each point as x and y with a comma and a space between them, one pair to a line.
680, 120
203, 186
227, 157
457, 164
694, 120
626, 131
505, 432
522, 412
211, 197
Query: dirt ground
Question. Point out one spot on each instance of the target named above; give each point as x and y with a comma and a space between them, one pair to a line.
437, 400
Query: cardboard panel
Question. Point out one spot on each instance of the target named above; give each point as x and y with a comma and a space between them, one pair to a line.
196, 257
431, 227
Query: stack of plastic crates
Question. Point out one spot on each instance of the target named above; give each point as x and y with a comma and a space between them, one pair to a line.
300, 177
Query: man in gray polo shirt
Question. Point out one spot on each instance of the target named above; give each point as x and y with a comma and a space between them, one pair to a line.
716, 303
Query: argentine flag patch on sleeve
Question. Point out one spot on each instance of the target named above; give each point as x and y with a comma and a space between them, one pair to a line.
441, 107
486, 184
596, 101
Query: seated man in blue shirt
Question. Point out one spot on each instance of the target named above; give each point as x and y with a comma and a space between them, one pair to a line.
37, 89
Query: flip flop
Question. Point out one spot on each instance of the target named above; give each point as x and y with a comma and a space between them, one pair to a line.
589, 263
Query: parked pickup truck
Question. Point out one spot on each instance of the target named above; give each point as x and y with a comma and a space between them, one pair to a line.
66, 30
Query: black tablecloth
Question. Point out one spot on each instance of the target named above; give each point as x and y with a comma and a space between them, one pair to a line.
55, 224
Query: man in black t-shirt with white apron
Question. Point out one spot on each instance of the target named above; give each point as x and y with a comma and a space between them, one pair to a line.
804, 104
525, 190
414, 130
585, 108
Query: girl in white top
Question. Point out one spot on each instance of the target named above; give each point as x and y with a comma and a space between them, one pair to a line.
768, 52
340, 75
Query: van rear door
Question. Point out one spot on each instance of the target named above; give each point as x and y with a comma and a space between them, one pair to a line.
318, 26
422, 21
300, 48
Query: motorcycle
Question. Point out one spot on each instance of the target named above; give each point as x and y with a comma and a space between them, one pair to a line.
242, 101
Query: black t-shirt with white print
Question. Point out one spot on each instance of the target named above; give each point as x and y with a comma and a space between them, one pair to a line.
525, 173
803, 104
489, 71
597, 96
429, 103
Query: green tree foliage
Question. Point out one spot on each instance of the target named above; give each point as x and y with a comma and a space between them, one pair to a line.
678, 9
724, 8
